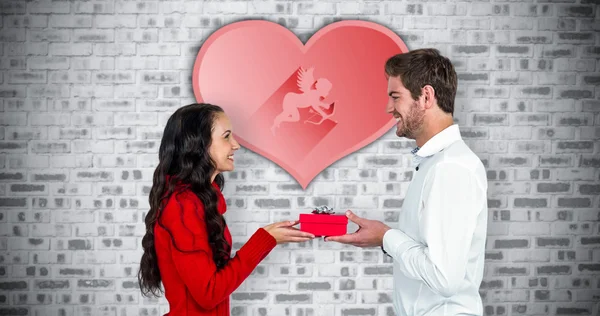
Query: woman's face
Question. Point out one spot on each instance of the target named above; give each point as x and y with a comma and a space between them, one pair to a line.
223, 144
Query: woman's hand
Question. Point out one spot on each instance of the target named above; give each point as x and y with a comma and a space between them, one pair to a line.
283, 232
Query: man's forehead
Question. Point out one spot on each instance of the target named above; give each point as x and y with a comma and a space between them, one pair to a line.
394, 84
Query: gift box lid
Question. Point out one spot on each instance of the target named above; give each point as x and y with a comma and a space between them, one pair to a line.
323, 218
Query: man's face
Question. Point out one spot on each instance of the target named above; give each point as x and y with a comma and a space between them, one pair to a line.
408, 112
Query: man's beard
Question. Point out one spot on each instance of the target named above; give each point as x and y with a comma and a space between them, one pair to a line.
412, 124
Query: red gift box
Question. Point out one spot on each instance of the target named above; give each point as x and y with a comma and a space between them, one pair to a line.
324, 224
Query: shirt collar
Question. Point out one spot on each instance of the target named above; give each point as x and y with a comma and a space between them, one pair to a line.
438, 142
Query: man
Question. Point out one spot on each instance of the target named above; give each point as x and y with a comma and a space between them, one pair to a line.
438, 247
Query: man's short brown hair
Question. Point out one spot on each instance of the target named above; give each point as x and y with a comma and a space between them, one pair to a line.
422, 67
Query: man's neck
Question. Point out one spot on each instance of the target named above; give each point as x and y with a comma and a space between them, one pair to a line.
432, 129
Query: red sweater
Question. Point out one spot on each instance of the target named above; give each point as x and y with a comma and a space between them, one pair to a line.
192, 284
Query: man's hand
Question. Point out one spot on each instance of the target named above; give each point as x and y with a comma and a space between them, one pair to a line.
369, 234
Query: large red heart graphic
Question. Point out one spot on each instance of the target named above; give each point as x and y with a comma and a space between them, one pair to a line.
301, 106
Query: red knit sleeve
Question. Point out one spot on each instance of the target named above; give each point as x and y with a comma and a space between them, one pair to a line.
183, 216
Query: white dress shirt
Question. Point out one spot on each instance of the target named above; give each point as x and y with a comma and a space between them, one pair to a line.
439, 245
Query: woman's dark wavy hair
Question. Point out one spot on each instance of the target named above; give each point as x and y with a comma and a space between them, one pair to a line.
184, 158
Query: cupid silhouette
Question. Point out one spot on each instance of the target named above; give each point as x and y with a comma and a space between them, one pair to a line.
313, 94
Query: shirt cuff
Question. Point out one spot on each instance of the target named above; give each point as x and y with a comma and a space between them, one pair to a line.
395, 242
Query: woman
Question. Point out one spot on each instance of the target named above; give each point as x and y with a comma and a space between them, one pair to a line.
187, 243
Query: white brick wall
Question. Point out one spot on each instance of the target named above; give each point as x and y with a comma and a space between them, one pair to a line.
86, 88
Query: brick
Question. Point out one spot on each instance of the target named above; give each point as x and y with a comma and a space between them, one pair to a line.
358, 8
554, 296
70, 77
552, 242
30, 105
132, 91
587, 296
554, 215
485, 9
553, 270
70, 133
579, 309
556, 161
12, 35
316, 8
510, 161
529, 283
95, 7
563, 133
474, 133
425, 23
396, 8
555, 79
530, 147
589, 241
513, 24
49, 35
113, 77
572, 119
555, 51
580, 65
530, 119
530, 308
574, 147
564, 202
470, 50
492, 284
22, 243
530, 202
575, 38
481, 64
497, 175
553, 187
510, 78
269, 8
563, 282
589, 189
11, 92
589, 25
526, 9
80, 49
95, 63
572, 255
575, 174
485, 92
15, 7
532, 92
113, 105
49, 90
591, 105
470, 23
575, 11
118, 49
588, 160
128, 63
509, 296
449, 37
488, 146
574, 93
511, 243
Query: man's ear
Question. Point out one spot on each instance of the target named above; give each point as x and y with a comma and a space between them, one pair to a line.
428, 96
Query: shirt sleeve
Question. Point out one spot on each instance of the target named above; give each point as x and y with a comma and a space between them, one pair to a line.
193, 260
452, 200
